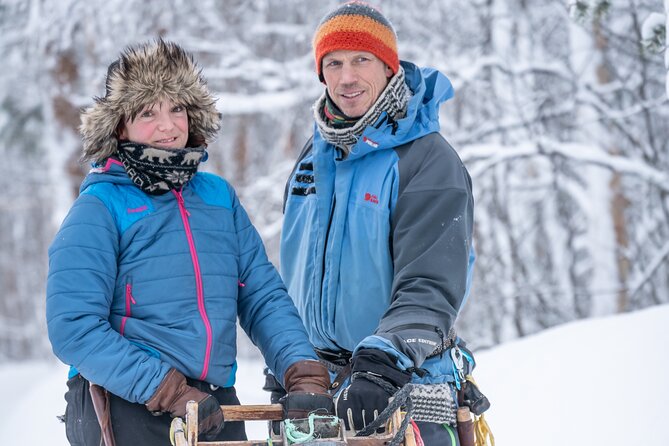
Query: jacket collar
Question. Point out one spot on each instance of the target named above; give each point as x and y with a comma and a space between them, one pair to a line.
429, 89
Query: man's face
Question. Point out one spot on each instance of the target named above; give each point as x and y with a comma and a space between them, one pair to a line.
354, 80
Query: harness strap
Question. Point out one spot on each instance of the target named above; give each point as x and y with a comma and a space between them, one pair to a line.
336, 362
100, 398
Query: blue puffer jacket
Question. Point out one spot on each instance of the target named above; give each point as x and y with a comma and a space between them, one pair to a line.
376, 247
138, 284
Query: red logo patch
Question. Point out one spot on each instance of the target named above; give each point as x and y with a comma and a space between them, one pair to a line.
371, 198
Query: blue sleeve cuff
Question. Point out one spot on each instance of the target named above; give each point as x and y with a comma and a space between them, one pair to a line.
383, 344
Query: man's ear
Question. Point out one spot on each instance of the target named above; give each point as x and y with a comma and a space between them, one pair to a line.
389, 72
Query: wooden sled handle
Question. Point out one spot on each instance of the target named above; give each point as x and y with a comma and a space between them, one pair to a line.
258, 412
185, 434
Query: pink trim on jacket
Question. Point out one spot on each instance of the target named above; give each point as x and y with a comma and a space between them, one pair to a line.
107, 166
198, 281
128, 307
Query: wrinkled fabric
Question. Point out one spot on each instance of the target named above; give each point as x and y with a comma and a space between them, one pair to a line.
132, 424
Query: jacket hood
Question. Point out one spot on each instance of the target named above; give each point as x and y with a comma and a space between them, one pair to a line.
141, 76
429, 89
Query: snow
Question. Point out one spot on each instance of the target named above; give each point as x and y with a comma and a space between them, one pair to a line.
666, 53
652, 24
588, 383
492, 155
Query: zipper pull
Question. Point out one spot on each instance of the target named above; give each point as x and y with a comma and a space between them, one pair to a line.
128, 293
181, 201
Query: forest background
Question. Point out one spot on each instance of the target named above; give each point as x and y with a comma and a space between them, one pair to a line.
560, 114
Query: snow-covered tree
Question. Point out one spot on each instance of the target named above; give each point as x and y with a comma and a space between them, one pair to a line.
560, 114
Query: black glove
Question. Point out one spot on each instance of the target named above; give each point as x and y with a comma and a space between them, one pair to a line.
273, 386
359, 403
277, 392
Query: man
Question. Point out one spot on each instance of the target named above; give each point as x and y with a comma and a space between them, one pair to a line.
376, 247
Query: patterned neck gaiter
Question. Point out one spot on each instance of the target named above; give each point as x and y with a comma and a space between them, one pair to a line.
334, 116
157, 171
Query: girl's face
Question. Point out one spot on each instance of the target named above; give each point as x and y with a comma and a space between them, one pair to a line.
162, 124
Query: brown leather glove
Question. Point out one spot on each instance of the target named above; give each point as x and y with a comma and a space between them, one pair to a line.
307, 384
172, 395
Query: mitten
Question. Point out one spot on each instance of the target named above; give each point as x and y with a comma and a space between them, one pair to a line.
172, 395
307, 384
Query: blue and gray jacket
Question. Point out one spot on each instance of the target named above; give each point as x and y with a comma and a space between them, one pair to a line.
376, 248
138, 284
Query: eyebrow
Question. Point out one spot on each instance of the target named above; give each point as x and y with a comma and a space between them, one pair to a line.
355, 54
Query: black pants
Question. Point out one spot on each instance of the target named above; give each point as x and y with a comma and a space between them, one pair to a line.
132, 423
434, 434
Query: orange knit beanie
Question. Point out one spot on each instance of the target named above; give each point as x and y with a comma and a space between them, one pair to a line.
356, 26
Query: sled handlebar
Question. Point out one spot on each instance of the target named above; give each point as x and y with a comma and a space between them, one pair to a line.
257, 412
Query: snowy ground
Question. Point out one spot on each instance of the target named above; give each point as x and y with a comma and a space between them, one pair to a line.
591, 383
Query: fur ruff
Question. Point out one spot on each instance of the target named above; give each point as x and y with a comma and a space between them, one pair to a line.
141, 76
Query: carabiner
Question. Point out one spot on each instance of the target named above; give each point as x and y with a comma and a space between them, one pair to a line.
458, 362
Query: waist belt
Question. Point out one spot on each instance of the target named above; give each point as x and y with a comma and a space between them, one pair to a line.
340, 358
338, 363
206, 387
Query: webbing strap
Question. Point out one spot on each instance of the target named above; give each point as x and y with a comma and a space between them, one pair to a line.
401, 398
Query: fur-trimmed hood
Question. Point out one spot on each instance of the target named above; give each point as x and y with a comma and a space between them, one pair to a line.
141, 76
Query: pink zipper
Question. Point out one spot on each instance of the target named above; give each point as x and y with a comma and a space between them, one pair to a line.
129, 300
198, 280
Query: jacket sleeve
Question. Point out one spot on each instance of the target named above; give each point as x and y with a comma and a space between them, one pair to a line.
431, 239
80, 288
266, 312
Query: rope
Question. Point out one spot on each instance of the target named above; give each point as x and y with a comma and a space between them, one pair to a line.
416, 434
483, 433
295, 436
400, 398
